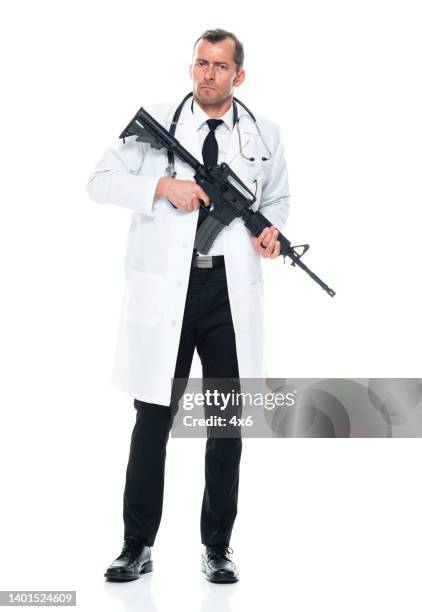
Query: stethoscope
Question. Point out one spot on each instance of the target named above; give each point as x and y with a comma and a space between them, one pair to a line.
170, 155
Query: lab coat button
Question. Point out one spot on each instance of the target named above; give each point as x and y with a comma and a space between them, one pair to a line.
173, 322
184, 245
179, 283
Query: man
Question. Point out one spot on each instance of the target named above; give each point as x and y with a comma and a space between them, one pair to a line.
173, 304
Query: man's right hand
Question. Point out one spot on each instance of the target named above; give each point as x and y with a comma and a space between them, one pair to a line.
182, 194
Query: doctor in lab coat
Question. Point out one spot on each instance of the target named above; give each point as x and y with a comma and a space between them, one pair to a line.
158, 269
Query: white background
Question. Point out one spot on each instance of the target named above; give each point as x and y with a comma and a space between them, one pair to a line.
322, 524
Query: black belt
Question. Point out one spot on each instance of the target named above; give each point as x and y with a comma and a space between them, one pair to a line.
207, 261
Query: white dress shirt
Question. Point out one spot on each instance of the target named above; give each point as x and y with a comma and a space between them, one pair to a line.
223, 135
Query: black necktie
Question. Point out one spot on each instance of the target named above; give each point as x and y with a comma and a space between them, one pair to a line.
210, 155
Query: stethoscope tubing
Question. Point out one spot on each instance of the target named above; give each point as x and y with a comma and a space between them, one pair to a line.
236, 120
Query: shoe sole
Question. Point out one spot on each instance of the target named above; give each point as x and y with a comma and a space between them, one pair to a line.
219, 579
148, 567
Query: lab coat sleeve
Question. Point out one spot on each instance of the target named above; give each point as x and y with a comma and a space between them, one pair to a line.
116, 180
275, 189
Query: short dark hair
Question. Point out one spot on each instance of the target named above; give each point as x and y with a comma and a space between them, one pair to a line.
217, 35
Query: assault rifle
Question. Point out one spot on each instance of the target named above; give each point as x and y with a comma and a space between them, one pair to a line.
230, 196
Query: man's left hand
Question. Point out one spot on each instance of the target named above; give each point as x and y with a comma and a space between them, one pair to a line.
268, 237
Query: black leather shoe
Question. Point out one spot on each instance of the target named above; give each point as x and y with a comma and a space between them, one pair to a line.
134, 560
216, 564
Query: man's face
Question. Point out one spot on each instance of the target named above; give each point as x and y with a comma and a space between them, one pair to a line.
213, 71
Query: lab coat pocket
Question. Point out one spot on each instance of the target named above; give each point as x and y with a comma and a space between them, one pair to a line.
144, 299
250, 308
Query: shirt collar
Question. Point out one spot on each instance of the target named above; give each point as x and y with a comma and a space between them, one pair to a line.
201, 116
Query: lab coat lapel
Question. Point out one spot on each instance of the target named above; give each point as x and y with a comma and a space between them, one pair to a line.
247, 132
187, 134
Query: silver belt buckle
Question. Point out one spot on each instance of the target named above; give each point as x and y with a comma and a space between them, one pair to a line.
204, 261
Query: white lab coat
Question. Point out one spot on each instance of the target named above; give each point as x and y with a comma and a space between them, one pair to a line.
160, 245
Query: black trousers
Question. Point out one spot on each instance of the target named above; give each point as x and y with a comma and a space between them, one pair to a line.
208, 326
